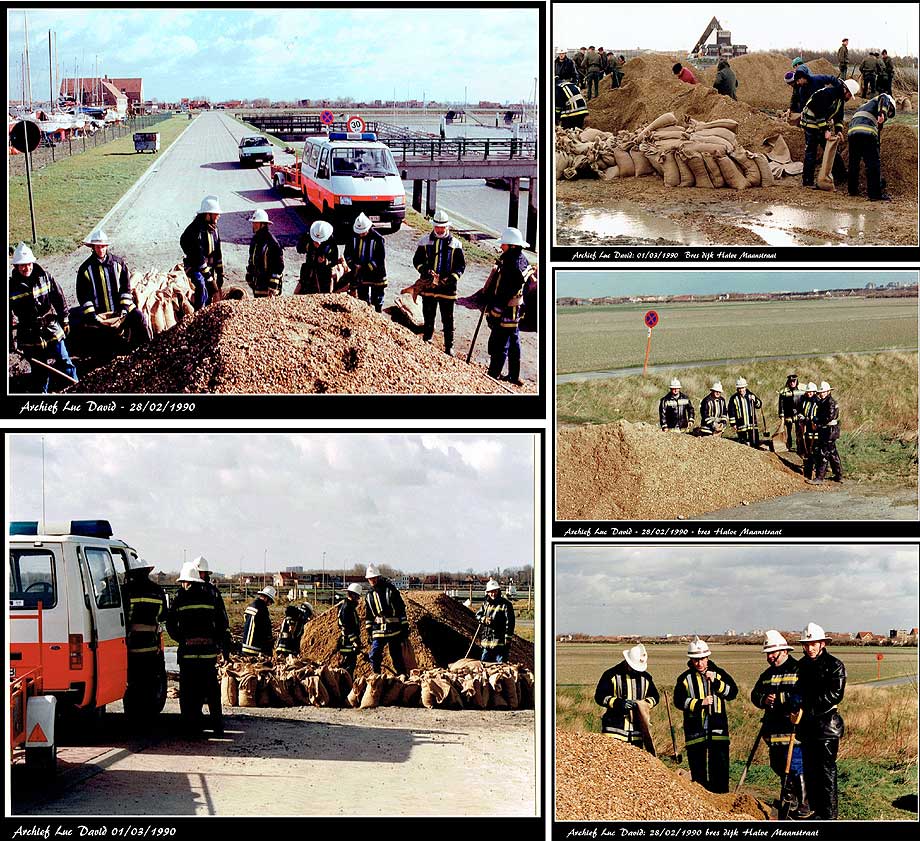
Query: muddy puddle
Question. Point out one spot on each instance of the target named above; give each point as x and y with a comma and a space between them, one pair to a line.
779, 224
628, 224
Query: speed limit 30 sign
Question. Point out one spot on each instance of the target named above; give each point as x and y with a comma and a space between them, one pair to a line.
355, 124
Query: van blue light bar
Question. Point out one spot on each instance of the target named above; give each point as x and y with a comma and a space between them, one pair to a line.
352, 135
91, 528
24, 527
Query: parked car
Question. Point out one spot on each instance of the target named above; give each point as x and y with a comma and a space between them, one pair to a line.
255, 150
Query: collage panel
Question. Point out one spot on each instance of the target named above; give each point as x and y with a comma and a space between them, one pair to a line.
684, 135
680, 669
245, 631
736, 403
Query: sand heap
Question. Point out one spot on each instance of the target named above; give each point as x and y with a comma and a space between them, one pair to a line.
441, 630
634, 471
288, 345
599, 778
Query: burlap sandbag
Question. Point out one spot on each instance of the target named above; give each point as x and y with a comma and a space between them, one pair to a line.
229, 690
580, 148
712, 169
655, 162
431, 693
589, 135
668, 145
510, 691
698, 168
526, 689
279, 691
731, 173
825, 179
411, 694
731, 125
562, 163
372, 692
608, 159
624, 163
766, 176
330, 680
702, 148
499, 702
357, 691
671, 171
391, 696
661, 122
641, 716
747, 166
248, 685
471, 690
668, 134
264, 694
640, 163
724, 133
686, 175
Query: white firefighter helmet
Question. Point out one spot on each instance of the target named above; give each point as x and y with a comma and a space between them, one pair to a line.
813, 633
372, 571
636, 657
675, 383
209, 204
189, 573
201, 564
698, 649
513, 236
716, 386
136, 564
775, 641
362, 224
22, 255
97, 237
357, 589
811, 387
268, 591
260, 216
852, 86
440, 218
825, 386
741, 382
320, 230
492, 584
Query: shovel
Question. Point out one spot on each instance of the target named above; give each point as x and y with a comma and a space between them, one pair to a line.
678, 757
473, 642
786, 796
778, 440
47, 367
750, 759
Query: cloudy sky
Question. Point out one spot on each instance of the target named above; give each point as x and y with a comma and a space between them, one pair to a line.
709, 589
676, 26
411, 501
291, 53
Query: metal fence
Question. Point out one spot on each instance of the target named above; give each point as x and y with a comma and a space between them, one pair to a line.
51, 151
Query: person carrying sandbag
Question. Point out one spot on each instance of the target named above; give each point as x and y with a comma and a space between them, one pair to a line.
620, 691
385, 621
496, 617
864, 138
822, 121
571, 108
726, 83
258, 640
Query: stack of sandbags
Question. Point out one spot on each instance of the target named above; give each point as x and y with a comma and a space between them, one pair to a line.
904, 105
164, 297
282, 682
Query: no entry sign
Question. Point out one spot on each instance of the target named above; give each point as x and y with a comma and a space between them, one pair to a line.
327, 118
651, 319
355, 123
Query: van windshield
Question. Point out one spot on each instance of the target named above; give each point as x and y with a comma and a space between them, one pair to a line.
358, 161
32, 579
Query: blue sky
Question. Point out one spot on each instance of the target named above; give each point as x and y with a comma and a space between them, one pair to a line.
291, 53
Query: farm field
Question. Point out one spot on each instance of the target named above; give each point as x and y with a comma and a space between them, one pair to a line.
599, 338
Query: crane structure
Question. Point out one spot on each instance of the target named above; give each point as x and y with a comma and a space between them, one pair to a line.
723, 47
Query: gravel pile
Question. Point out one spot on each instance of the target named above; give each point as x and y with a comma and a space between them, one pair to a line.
633, 471
599, 778
307, 344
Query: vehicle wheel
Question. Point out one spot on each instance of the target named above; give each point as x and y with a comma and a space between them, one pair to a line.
395, 225
42, 759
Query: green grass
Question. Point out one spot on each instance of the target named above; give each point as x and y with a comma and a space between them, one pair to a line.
905, 119
73, 194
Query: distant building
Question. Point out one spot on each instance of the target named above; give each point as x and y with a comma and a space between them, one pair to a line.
865, 636
110, 92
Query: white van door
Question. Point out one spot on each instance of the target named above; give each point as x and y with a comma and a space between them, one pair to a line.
110, 651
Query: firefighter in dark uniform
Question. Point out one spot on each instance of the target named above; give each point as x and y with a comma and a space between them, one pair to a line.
349, 629
295, 620
564, 68
619, 691
195, 622
200, 243
258, 640
827, 425
37, 302
266, 258
702, 692
497, 618
807, 430
675, 411
820, 688
385, 621
864, 138
365, 256
773, 693
788, 405
104, 288
321, 255
146, 609
571, 108
822, 118
204, 570
439, 257
713, 411
742, 413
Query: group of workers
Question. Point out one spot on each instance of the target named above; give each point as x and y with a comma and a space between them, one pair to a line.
809, 415
876, 69
799, 699
589, 67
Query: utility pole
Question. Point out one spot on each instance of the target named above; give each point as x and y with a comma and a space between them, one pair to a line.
264, 566
323, 579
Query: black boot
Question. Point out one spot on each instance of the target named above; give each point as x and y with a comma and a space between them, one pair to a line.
801, 812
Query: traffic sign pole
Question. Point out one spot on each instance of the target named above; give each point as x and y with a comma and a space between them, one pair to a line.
648, 347
28, 155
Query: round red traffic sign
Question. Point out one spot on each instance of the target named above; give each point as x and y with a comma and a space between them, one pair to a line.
879, 656
355, 123
651, 319
327, 118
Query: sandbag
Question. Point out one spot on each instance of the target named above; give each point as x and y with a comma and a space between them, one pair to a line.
640, 163
656, 164
264, 694
580, 148
663, 121
686, 175
711, 143
698, 168
610, 173
766, 176
731, 173
731, 125
499, 702
668, 134
432, 693
624, 163
748, 168
526, 689
712, 169
825, 179
705, 148
279, 691
372, 692
510, 691
562, 162
589, 135
247, 690
330, 681
671, 171
229, 690
392, 692
357, 691
411, 693
724, 133
608, 159
471, 691
666, 145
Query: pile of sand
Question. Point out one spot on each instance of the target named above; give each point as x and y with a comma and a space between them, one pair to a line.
634, 471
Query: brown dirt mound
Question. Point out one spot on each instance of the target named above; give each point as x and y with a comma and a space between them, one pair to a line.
633, 471
288, 345
739, 804
441, 630
599, 778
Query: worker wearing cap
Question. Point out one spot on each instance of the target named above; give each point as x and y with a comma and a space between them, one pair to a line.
439, 257
564, 68
864, 138
496, 617
616, 71
827, 425
788, 404
200, 243
295, 619
385, 620
571, 107
321, 255
886, 72
620, 690
702, 693
42, 321
822, 119
820, 687
579, 61
196, 623
146, 607
869, 69
675, 411
843, 57
593, 69
807, 430
742, 413
349, 629
258, 640
266, 258
713, 411
366, 259
104, 289
773, 693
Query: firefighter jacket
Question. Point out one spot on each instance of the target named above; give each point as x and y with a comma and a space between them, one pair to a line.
742, 410
319, 260
824, 109
819, 690
442, 257
790, 401
565, 70
366, 258
827, 420
713, 411
266, 264
497, 620
385, 612
39, 306
779, 681
257, 629
200, 243
807, 417
843, 54
103, 286
865, 120
702, 722
349, 627
505, 292
675, 411
196, 623
616, 685
147, 607
295, 618
570, 101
